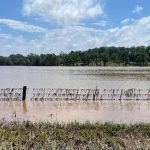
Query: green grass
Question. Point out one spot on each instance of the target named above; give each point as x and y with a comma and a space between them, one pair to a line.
27, 135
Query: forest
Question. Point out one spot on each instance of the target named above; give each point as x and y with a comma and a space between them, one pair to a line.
103, 56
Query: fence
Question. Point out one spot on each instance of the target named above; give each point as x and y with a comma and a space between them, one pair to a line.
46, 94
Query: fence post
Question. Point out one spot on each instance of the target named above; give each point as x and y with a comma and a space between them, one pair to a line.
24, 93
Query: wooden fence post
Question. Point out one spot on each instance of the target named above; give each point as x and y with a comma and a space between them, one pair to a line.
24, 93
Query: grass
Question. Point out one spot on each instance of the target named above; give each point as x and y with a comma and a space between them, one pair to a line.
27, 135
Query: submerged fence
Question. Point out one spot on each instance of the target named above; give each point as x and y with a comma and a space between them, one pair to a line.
48, 94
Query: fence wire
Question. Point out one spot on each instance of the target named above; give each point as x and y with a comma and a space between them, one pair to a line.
46, 94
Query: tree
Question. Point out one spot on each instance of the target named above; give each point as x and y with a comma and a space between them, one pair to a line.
104, 55
105, 58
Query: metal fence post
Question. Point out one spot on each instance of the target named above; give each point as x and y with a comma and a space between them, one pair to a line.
24, 93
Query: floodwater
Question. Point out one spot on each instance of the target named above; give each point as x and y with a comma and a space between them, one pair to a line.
76, 77
80, 111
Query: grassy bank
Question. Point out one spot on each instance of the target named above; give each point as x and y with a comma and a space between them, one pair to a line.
27, 135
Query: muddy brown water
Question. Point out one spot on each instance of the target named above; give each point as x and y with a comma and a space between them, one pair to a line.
76, 77
80, 111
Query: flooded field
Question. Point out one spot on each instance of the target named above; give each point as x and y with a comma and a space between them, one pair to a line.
80, 111
76, 77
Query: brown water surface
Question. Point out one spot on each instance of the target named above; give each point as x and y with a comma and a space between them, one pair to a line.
81, 111
76, 77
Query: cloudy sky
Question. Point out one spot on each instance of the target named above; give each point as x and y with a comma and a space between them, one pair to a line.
52, 26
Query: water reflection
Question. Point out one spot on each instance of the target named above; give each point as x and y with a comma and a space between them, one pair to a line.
82, 111
24, 107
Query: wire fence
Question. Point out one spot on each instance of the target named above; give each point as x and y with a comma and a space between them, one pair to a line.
49, 94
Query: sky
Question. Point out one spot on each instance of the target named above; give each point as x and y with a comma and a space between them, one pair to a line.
53, 26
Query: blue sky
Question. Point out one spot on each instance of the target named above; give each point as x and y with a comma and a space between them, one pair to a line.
52, 26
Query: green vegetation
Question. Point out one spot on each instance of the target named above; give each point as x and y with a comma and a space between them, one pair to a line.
27, 135
104, 56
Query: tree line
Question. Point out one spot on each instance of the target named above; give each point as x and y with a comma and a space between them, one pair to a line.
103, 56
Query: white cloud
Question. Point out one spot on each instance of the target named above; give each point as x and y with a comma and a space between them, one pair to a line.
18, 25
101, 23
127, 21
79, 38
133, 34
63, 11
12, 44
138, 9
